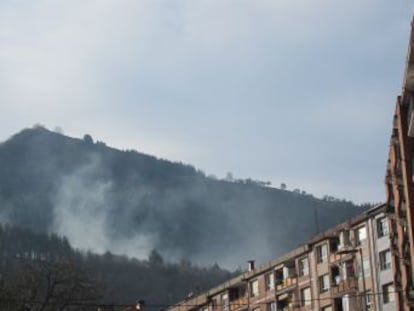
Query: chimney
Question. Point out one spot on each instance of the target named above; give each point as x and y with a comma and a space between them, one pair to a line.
250, 265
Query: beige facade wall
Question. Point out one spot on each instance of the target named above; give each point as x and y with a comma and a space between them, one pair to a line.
325, 274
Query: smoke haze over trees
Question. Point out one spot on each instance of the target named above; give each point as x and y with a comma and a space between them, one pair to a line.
40, 272
126, 202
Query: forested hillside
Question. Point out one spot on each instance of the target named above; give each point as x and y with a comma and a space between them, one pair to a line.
127, 202
40, 269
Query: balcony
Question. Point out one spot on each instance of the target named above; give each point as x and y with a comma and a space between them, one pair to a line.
286, 283
286, 302
290, 308
338, 254
238, 303
344, 286
238, 298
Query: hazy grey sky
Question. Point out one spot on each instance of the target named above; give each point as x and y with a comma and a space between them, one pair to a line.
292, 91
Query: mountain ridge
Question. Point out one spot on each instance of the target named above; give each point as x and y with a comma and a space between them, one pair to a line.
129, 202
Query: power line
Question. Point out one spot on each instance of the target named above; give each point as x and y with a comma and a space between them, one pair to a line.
163, 305
350, 295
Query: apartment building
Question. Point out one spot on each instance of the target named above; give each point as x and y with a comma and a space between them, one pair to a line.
347, 268
399, 188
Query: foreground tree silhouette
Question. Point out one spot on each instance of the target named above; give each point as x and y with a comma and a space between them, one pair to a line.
46, 286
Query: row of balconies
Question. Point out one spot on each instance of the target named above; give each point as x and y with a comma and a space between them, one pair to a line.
287, 303
284, 301
287, 289
340, 249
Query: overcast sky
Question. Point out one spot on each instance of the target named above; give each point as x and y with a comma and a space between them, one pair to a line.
292, 91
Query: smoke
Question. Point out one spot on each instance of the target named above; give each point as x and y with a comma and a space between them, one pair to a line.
91, 213
103, 199
82, 210
102, 207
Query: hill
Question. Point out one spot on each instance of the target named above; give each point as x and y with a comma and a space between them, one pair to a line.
128, 202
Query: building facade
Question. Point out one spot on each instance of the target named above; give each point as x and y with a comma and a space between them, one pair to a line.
399, 188
346, 268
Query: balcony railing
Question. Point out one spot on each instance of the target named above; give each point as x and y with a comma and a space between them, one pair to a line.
289, 308
238, 303
344, 286
286, 283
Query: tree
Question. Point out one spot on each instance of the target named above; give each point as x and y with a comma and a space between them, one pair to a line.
48, 286
88, 139
229, 176
155, 258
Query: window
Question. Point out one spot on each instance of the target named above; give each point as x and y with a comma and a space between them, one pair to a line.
382, 227
272, 306
289, 270
348, 269
321, 253
306, 296
349, 302
237, 292
344, 239
361, 235
368, 299
254, 288
270, 281
279, 276
323, 283
366, 265
335, 274
304, 266
334, 244
385, 260
388, 293
214, 303
225, 302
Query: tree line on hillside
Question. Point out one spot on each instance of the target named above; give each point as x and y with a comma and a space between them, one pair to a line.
42, 272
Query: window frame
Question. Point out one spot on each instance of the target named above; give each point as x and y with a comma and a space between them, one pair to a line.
270, 281
271, 306
382, 258
324, 283
358, 239
388, 293
303, 266
368, 299
321, 256
382, 227
254, 288
303, 300
225, 302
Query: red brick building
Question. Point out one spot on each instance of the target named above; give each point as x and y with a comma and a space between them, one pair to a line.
347, 268
399, 186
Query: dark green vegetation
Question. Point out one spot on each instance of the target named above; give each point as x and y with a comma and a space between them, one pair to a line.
57, 191
42, 272
127, 202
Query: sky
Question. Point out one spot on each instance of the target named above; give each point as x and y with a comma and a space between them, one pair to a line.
294, 91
